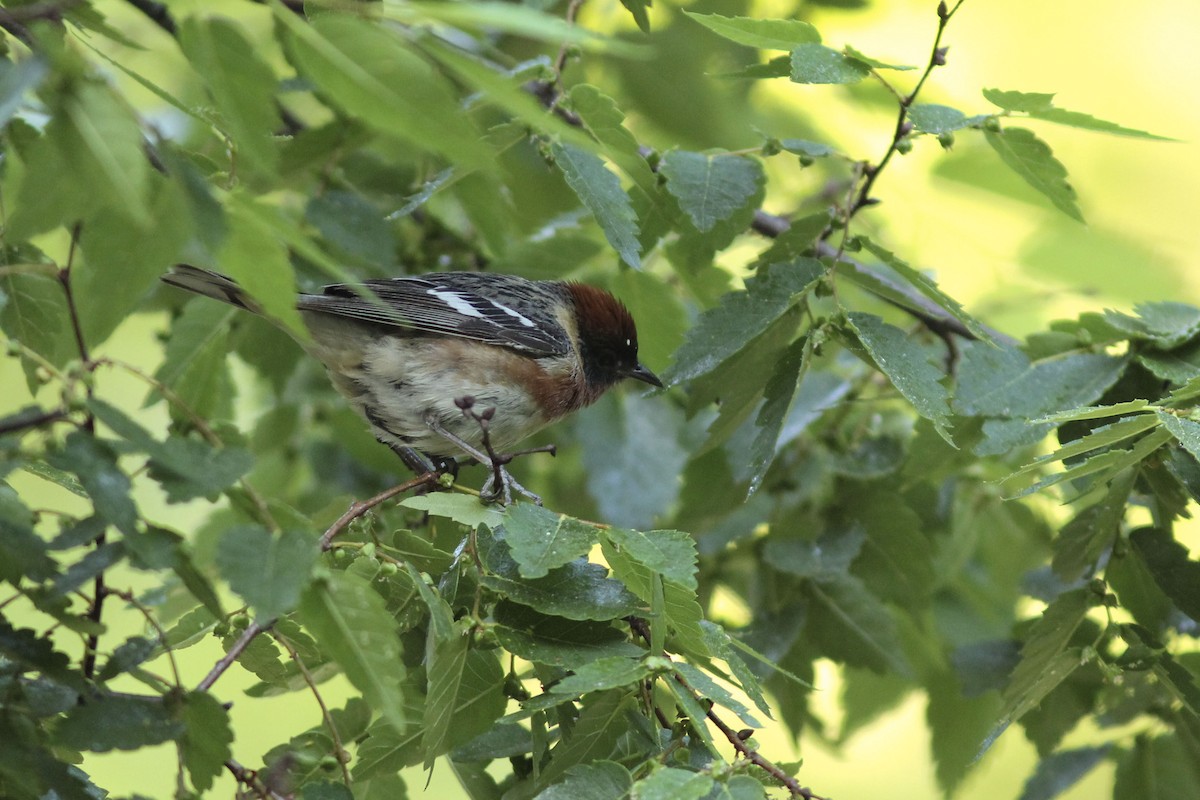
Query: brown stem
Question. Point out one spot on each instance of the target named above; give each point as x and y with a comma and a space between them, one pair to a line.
19, 423
227, 660
360, 507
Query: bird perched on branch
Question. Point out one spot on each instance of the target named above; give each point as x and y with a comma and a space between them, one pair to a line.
416, 356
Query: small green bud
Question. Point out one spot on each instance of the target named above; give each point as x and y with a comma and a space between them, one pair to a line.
946, 140
806, 160
904, 146
992, 124
240, 621
388, 569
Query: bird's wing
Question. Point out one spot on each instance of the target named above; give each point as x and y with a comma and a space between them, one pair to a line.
463, 305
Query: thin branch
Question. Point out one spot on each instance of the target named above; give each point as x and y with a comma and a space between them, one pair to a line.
158, 629
937, 58
360, 507
757, 759
339, 750
249, 778
561, 61
227, 660
20, 422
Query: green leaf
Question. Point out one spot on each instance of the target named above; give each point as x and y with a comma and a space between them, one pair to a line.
778, 67
1178, 366
462, 508
680, 608
23, 553
1081, 542
765, 34
1004, 382
118, 723
255, 257
724, 646
778, 396
206, 742
1031, 159
910, 367
268, 571
1102, 436
1041, 106
671, 554
601, 192
602, 780
368, 72
115, 277
929, 288
816, 63
101, 145
638, 8
241, 83
577, 591
1165, 325
541, 540
1158, 768
1087, 122
1057, 773
1176, 574
186, 468
592, 738
710, 187
1018, 101
936, 119
604, 120
355, 628
709, 688
629, 442
1095, 412
722, 332
672, 783
94, 462
446, 658
829, 556
556, 641
1104, 467
851, 625
194, 366
1046, 661
803, 147
610, 672
873, 63
896, 560
506, 91
36, 315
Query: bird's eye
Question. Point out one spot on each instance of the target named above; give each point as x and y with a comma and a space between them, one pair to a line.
629, 343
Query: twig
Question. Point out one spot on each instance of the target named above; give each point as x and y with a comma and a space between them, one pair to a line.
937, 58
754, 757
249, 778
17, 422
236, 650
339, 750
360, 507
561, 61
162, 635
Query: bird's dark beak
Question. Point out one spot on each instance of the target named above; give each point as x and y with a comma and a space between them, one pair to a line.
644, 375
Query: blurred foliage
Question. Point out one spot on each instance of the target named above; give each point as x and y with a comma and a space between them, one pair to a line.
844, 449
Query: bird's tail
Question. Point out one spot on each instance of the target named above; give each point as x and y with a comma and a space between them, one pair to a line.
210, 284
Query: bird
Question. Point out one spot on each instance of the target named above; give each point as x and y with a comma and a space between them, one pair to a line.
415, 356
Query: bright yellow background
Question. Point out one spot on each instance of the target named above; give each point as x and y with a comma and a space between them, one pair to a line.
1018, 264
